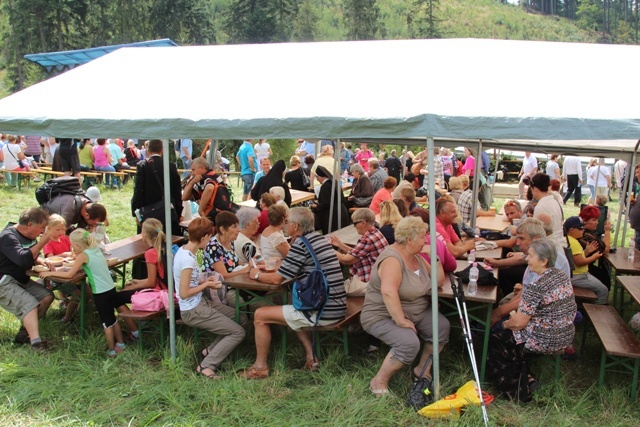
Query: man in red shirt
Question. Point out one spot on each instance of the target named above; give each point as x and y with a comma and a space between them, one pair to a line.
445, 218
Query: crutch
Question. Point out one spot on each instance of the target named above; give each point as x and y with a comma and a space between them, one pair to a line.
458, 295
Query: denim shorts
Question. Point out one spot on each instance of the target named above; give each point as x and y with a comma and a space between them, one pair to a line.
248, 183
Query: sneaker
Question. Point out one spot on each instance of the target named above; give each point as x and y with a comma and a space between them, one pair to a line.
22, 337
40, 347
37, 179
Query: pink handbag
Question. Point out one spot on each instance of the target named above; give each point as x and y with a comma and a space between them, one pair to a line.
147, 300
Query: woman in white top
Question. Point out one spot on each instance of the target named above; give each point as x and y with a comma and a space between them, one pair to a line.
553, 169
12, 154
199, 312
591, 180
272, 242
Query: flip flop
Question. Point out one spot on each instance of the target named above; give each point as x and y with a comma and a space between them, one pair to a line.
214, 376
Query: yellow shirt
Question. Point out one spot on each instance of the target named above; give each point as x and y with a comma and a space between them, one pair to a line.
576, 249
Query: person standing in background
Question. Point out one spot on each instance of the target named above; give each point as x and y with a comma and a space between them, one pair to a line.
553, 169
619, 172
33, 147
246, 157
345, 158
572, 175
393, 166
529, 168
262, 149
363, 156
186, 151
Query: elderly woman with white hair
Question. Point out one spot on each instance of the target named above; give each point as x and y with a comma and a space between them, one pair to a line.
542, 324
397, 308
247, 245
297, 264
362, 190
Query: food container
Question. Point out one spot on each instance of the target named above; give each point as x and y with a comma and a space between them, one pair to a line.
56, 261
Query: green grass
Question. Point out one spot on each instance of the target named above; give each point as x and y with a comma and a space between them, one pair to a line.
75, 384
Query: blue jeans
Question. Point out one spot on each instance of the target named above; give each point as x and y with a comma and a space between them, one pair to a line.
186, 164
248, 183
107, 179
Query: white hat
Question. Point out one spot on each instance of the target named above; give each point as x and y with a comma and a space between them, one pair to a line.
93, 193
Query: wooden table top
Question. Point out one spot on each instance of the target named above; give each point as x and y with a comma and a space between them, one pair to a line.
298, 196
243, 281
492, 223
122, 252
348, 235
619, 261
632, 285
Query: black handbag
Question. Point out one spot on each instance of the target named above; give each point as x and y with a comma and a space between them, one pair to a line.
420, 392
485, 277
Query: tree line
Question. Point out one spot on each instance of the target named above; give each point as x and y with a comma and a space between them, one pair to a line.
616, 20
35, 26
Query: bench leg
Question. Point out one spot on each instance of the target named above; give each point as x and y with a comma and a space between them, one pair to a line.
634, 382
345, 345
603, 364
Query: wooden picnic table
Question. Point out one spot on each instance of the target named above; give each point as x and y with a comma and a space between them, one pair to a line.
484, 300
259, 291
492, 223
118, 254
621, 266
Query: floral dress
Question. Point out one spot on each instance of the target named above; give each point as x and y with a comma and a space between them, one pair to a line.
215, 252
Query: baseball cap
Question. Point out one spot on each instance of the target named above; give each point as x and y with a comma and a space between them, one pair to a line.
573, 222
94, 194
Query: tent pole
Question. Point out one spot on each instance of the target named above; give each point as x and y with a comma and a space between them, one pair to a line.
336, 168
495, 172
168, 234
434, 272
476, 182
333, 192
628, 190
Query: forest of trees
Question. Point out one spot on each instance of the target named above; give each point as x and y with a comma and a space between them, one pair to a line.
32, 26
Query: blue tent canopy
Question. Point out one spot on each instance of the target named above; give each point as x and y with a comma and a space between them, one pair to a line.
68, 59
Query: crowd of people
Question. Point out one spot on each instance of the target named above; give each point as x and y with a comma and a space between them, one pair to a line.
545, 254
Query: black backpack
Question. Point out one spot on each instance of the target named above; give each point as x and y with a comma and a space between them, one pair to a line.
57, 186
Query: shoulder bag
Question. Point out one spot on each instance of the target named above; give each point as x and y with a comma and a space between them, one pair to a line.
156, 210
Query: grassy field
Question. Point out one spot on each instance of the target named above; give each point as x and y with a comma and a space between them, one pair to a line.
76, 384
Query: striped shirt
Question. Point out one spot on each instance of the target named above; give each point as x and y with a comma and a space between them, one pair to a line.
298, 264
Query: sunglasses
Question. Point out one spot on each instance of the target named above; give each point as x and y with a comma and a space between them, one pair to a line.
356, 223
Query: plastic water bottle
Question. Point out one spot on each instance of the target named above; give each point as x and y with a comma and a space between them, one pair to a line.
477, 232
472, 289
100, 234
471, 258
632, 250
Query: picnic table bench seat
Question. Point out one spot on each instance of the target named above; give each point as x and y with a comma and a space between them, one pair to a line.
154, 317
340, 330
621, 348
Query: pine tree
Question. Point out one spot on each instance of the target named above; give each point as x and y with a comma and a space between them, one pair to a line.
362, 18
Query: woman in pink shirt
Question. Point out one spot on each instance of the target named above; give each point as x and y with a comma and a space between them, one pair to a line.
469, 163
383, 194
363, 156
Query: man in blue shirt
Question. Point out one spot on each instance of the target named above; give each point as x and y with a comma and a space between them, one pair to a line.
186, 150
305, 148
246, 157
345, 158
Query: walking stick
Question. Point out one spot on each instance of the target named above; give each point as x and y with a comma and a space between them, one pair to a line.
458, 295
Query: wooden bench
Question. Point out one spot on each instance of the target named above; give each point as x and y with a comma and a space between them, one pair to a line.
620, 349
340, 330
157, 317
584, 295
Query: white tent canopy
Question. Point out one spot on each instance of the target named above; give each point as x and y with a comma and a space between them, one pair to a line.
386, 89
481, 89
